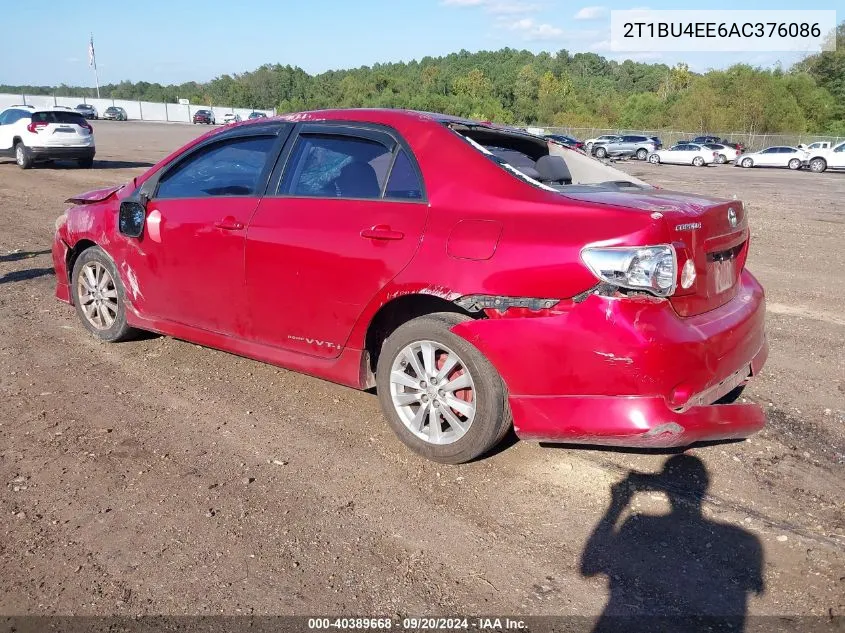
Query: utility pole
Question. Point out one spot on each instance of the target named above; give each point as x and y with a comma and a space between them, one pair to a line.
92, 61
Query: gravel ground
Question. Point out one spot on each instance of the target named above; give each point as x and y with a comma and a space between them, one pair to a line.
159, 477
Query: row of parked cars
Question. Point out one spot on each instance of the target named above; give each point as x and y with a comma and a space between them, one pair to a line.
116, 113
707, 150
208, 117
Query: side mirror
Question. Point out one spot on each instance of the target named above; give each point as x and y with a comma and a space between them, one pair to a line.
131, 218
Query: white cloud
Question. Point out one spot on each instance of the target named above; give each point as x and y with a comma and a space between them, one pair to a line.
509, 8
602, 45
531, 30
591, 13
497, 7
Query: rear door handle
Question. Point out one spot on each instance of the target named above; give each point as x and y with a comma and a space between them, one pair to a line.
229, 224
382, 232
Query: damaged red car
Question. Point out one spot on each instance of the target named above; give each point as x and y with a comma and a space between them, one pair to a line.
479, 277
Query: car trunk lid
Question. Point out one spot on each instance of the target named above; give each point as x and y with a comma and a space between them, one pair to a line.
712, 232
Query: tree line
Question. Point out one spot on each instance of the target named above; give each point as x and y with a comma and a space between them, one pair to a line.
519, 87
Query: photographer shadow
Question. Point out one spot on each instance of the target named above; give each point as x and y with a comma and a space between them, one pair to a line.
673, 572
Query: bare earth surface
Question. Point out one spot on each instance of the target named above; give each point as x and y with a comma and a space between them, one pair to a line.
159, 477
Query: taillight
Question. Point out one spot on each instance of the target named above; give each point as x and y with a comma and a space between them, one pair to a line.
84, 124
36, 126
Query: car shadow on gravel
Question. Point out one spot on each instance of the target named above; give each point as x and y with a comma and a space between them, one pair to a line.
25, 275
672, 572
15, 256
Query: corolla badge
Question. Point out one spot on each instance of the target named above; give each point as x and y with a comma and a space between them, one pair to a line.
732, 216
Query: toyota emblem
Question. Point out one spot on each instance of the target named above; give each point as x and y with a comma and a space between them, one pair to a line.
732, 216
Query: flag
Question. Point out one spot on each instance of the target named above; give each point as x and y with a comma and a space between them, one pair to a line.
91, 59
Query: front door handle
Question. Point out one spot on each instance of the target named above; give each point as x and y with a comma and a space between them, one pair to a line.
382, 232
229, 224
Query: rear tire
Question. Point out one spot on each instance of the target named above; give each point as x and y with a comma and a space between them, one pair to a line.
698, 161
96, 287
491, 418
818, 165
794, 164
85, 163
23, 157
642, 154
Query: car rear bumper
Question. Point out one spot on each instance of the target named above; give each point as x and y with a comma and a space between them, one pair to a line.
67, 153
629, 372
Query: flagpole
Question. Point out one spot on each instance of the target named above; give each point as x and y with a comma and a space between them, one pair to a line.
92, 61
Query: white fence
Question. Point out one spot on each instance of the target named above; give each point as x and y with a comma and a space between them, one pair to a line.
137, 110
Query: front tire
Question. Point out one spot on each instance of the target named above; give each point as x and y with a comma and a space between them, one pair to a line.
747, 163
23, 157
601, 152
99, 296
721, 159
654, 159
440, 395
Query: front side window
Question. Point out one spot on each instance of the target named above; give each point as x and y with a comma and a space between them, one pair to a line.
229, 168
335, 166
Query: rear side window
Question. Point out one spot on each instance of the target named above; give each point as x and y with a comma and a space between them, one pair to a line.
323, 165
404, 182
229, 168
59, 117
12, 116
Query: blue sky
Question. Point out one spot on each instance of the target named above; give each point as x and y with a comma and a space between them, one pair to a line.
180, 40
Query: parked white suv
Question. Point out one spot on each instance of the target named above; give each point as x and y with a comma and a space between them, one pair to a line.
823, 159
32, 135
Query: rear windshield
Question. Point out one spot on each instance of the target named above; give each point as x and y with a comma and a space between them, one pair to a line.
59, 117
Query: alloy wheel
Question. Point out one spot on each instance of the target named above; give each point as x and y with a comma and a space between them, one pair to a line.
97, 295
432, 392
20, 157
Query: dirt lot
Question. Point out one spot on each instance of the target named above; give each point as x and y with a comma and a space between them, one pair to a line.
160, 477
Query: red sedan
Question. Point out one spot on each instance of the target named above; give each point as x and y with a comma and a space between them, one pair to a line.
478, 277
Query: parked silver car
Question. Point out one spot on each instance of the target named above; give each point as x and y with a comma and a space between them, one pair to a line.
626, 146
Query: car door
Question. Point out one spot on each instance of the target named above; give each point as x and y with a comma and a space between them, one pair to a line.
836, 157
346, 217
7, 120
769, 157
188, 267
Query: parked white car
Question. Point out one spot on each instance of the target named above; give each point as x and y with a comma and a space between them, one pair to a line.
604, 138
684, 154
724, 153
32, 135
791, 157
823, 159
231, 117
